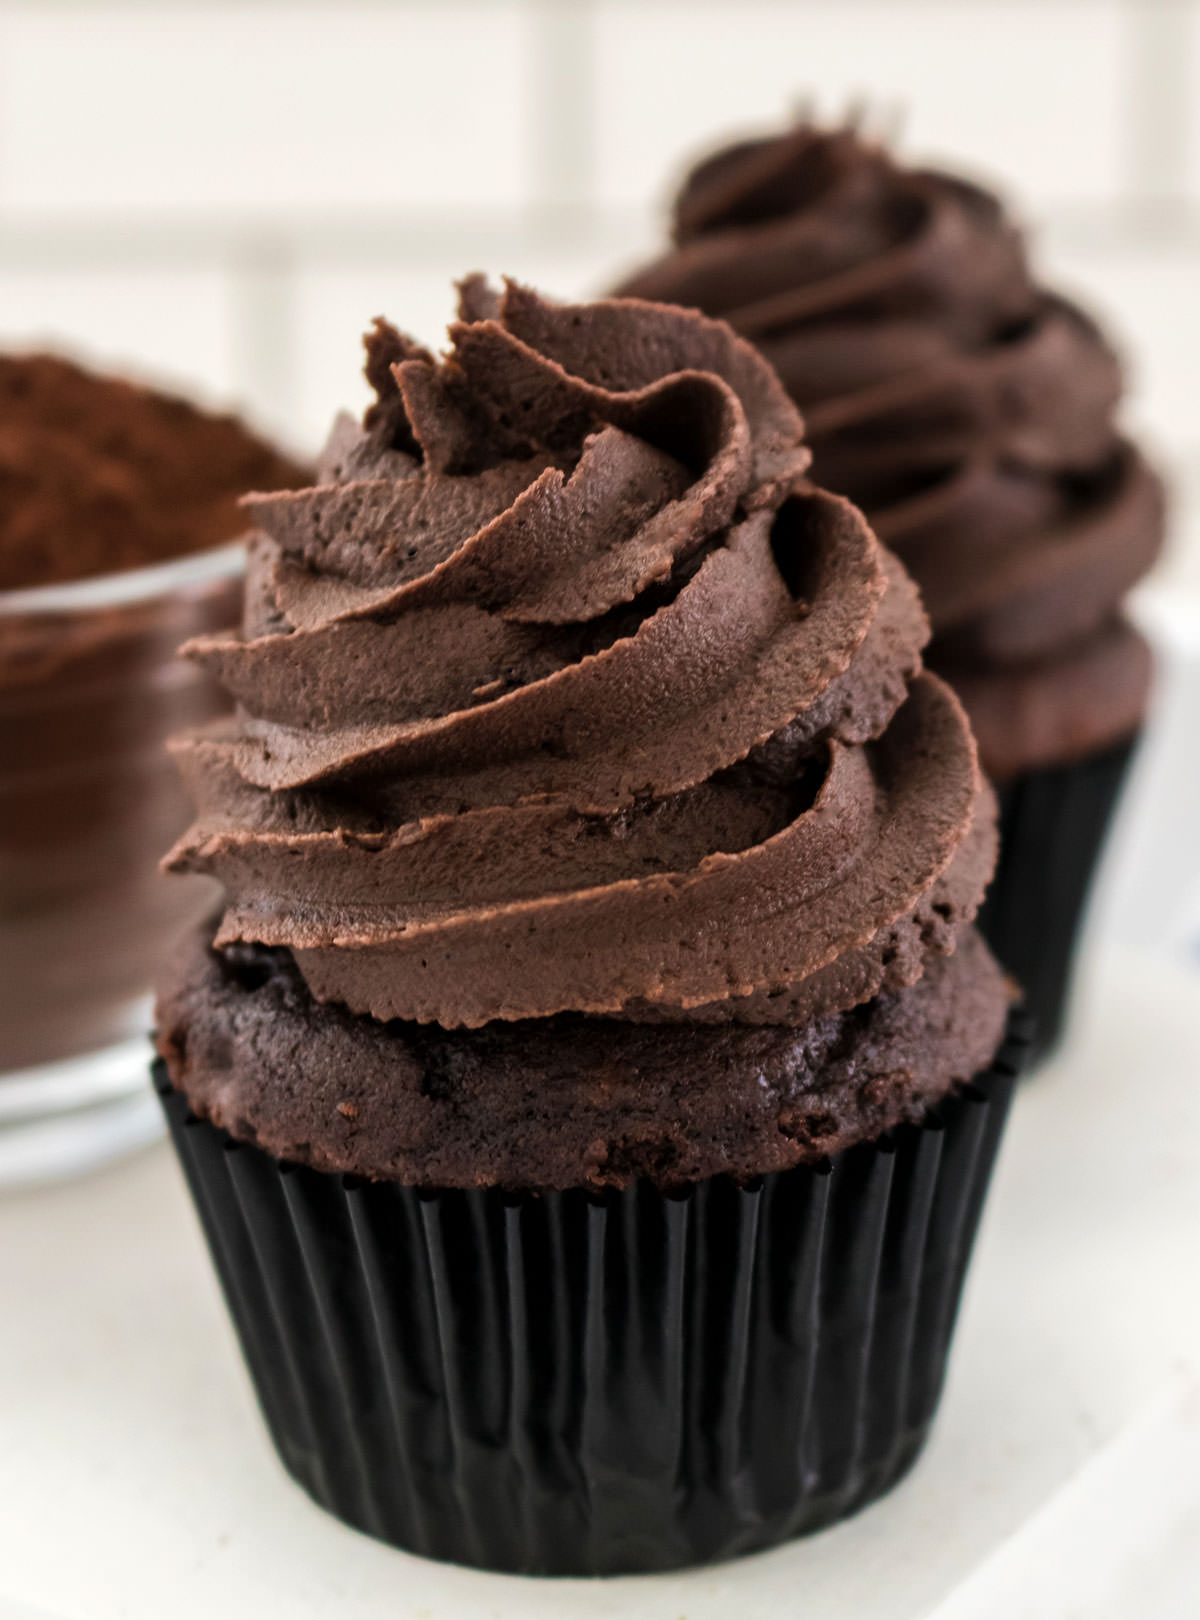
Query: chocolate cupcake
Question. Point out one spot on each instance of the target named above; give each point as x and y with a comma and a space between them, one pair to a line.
970, 413
590, 1085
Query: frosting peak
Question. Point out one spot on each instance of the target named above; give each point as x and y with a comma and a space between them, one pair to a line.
566, 691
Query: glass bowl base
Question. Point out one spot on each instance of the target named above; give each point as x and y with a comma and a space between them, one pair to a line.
62, 1119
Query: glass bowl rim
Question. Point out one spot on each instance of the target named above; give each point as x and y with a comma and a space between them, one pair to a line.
126, 585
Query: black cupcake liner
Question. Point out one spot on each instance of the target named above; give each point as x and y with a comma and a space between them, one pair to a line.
1053, 824
574, 1384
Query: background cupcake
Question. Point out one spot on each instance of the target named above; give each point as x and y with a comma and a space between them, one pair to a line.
970, 412
597, 863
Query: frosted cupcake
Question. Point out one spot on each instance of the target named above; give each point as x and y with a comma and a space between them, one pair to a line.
590, 1084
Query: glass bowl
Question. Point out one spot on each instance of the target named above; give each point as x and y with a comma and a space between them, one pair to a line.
90, 688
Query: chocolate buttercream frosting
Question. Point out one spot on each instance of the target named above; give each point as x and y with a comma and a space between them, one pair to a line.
566, 703
966, 409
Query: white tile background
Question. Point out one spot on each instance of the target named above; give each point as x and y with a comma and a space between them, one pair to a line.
222, 195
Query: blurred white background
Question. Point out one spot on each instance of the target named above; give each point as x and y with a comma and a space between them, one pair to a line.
221, 195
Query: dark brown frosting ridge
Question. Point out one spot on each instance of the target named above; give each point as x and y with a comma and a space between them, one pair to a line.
968, 411
565, 692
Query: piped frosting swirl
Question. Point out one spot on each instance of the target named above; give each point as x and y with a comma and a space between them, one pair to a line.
968, 411
565, 690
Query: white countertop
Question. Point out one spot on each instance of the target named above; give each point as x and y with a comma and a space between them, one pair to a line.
136, 1479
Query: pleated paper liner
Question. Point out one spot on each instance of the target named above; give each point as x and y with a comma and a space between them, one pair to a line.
570, 1384
1052, 829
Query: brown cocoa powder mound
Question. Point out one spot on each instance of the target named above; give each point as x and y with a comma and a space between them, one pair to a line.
98, 474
